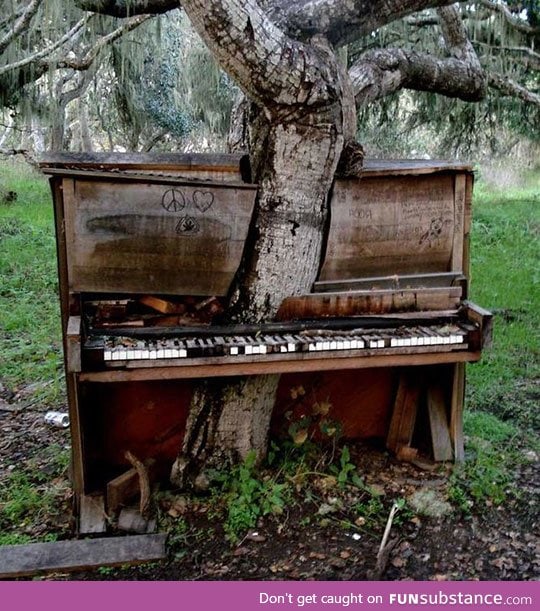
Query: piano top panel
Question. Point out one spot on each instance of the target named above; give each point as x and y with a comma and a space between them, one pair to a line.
221, 167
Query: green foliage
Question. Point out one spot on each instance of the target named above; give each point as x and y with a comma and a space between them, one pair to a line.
248, 497
505, 279
491, 457
345, 471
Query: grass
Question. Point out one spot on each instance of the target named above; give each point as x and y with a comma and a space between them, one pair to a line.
29, 309
506, 279
502, 389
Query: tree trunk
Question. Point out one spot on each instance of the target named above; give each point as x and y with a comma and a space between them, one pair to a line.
302, 112
294, 165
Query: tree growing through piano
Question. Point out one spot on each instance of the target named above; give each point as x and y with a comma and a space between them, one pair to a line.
299, 127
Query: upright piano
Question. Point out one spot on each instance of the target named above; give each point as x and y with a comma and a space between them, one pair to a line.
148, 247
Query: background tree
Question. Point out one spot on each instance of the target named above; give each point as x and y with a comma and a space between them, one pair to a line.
288, 59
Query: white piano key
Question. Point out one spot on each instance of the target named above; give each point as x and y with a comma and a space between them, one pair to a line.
414, 341
234, 350
145, 354
107, 355
291, 347
183, 353
262, 349
326, 345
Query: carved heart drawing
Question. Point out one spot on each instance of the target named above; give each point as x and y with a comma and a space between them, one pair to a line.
203, 200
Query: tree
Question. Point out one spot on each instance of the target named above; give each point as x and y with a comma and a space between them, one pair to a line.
300, 128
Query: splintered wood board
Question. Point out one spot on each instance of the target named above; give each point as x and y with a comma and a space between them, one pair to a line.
146, 237
393, 225
65, 556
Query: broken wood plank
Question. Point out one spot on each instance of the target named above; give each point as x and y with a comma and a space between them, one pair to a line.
124, 488
164, 306
438, 422
92, 515
404, 414
456, 412
63, 556
73, 344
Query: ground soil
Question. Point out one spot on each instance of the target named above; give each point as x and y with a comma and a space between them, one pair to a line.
305, 542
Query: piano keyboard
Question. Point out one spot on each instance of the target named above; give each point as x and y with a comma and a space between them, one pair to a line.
117, 349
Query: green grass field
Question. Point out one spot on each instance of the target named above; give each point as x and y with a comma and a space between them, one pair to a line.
502, 391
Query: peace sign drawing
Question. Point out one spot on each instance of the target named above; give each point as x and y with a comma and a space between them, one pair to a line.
173, 200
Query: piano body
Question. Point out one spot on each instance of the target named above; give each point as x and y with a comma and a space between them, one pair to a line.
148, 247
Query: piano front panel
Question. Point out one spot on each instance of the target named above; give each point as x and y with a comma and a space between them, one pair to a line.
395, 224
147, 237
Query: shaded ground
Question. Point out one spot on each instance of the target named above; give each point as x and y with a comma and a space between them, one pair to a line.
326, 533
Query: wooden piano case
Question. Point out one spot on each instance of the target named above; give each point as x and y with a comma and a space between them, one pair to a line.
397, 245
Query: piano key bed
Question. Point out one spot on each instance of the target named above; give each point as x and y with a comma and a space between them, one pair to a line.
119, 350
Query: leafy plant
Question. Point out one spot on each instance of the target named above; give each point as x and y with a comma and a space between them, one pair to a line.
345, 471
248, 497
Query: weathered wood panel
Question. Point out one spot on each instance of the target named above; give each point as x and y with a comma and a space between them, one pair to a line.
62, 556
391, 225
401, 428
153, 238
201, 166
353, 303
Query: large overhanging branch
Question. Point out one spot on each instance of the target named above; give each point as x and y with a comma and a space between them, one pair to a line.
268, 65
341, 21
20, 25
384, 71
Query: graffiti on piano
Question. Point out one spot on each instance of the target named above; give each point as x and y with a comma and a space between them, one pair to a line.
187, 225
174, 200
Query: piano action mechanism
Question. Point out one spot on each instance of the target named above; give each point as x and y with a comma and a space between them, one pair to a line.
148, 247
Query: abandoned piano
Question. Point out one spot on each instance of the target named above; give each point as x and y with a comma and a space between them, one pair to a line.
148, 247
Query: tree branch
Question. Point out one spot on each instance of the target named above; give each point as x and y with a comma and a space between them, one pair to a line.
21, 24
384, 71
343, 21
268, 65
127, 8
85, 62
34, 57
510, 88
511, 19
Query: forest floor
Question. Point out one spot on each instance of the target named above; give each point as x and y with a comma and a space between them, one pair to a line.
325, 531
